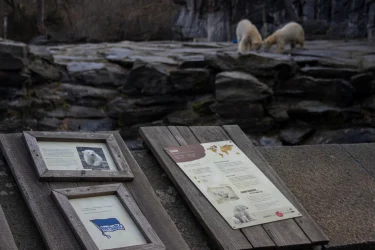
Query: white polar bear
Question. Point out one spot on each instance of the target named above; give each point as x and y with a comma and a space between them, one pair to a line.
292, 33
241, 214
248, 36
92, 159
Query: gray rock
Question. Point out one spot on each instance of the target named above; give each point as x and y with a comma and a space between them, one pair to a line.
90, 124
50, 124
266, 141
134, 114
344, 136
160, 100
332, 90
79, 91
12, 79
265, 64
16, 49
73, 112
364, 84
10, 62
315, 111
117, 106
240, 87
129, 114
196, 61
183, 118
326, 72
148, 79
201, 105
98, 74
251, 125
278, 108
240, 110
191, 80
369, 104
295, 133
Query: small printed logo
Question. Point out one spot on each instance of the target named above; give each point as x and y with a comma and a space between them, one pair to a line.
173, 150
279, 214
108, 225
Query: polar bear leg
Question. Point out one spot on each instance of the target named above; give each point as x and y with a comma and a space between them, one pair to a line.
280, 46
242, 46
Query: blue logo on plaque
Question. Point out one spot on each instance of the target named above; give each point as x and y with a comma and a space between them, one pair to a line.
108, 225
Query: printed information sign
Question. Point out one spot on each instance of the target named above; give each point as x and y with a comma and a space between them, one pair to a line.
233, 184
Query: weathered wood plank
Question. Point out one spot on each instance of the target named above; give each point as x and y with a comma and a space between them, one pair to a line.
283, 233
257, 235
146, 199
72, 217
306, 223
364, 154
52, 226
157, 138
139, 218
6, 237
49, 220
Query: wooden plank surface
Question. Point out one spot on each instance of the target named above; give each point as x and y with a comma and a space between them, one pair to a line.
47, 216
6, 237
306, 223
219, 230
257, 236
283, 233
146, 199
52, 226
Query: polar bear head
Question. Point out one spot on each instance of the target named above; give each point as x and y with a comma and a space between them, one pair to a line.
92, 158
240, 208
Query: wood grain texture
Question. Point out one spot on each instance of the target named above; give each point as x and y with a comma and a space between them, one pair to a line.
52, 226
306, 223
149, 204
283, 239
257, 235
75, 223
124, 173
54, 229
118, 156
140, 220
6, 237
62, 196
69, 136
157, 138
89, 191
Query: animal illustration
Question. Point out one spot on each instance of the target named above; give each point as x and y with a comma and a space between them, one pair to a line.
241, 213
292, 33
236, 221
92, 159
248, 36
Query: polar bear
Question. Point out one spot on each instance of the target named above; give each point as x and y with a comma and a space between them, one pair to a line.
241, 214
248, 36
291, 33
92, 159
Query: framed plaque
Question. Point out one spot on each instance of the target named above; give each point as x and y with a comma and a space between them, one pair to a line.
106, 217
73, 156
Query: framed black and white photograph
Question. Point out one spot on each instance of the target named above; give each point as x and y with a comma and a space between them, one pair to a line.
73, 156
106, 217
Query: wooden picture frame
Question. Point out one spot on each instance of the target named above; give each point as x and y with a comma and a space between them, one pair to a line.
32, 138
62, 196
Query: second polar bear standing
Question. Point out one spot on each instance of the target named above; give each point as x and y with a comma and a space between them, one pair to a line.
248, 36
292, 33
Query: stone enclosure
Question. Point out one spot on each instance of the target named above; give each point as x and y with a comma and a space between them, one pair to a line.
324, 93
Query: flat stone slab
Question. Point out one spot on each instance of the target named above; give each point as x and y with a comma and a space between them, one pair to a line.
333, 186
